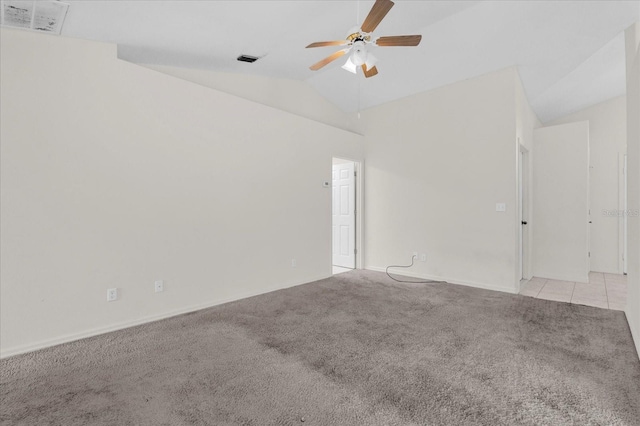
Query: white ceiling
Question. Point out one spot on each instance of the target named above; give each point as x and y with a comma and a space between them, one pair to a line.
570, 54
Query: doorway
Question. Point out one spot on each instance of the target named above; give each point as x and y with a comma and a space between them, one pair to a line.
523, 209
624, 217
561, 202
343, 215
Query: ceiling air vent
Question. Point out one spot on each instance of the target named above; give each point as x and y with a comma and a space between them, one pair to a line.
40, 15
248, 58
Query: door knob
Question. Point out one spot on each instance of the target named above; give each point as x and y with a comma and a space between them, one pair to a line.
524, 222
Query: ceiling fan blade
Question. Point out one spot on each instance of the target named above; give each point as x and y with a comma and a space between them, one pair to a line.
408, 40
371, 72
328, 59
329, 43
378, 12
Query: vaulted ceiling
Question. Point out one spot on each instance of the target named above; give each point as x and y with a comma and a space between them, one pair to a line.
570, 54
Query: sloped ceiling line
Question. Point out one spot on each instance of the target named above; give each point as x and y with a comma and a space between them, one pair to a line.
550, 41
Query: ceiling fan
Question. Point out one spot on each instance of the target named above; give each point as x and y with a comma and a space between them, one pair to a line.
360, 39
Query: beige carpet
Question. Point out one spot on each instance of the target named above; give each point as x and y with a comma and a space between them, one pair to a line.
354, 349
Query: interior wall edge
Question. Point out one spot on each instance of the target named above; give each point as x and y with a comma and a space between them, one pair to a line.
207, 78
632, 47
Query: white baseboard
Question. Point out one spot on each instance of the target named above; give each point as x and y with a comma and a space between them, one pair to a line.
511, 290
17, 350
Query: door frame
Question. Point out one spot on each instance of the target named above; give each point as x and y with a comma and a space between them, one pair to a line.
589, 219
624, 207
524, 199
358, 166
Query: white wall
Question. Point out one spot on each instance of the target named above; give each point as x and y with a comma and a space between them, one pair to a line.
607, 143
296, 97
114, 175
561, 202
437, 164
632, 36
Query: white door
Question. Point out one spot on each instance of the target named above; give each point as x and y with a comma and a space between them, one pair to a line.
561, 202
344, 217
624, 218
522, 207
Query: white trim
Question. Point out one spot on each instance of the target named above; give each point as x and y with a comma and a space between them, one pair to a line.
510, 290
520, 211
359, 165
524, 198
5, 353
635, 333
589, 221
624, 259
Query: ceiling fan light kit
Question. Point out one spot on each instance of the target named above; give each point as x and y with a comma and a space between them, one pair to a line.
350, 66
359, 40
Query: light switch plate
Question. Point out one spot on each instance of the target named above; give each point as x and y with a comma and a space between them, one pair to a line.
112, 294
501, 207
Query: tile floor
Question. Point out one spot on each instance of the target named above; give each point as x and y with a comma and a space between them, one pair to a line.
608, 291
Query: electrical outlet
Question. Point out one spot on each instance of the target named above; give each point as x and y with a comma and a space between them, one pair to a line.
112, 294
159, 286
415, 254
294, 263
423, 257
